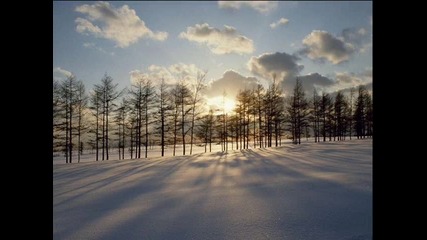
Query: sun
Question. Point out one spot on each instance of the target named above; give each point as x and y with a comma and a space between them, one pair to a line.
221, 104
229, 105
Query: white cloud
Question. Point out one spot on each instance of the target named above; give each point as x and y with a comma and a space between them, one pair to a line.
341, 81
346, 80
283, 65
60, 73
260, 6
171, 74
280, 22
354, 36
120, 25
231, 82
358, 37
84, 26
219, 41
184, 70
309, 82
347, 91
322, 45
136, 75
91, 45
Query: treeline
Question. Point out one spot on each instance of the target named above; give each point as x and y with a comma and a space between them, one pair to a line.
146, 115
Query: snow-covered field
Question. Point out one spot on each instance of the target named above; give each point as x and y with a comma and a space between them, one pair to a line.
312, 191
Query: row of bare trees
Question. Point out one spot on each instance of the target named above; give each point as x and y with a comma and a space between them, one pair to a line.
69, 103
265, 117
169, 115
145, 114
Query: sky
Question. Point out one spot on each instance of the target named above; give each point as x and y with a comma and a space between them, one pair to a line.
328, 45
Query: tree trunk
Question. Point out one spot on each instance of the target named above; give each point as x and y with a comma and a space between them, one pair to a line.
146, 125
183, 126
163, 132
103, 128
192, 128
106, 132
97, 132
70, 129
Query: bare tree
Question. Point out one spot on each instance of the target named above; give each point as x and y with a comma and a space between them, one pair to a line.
149, 97
174, 93
297, 111
315, 115
95, 100
326, 112
58, 115
339, 110
68, 94
108, 97
350, 112
165, 106
81, 104
131, 126
254, 112
259, 108
369, 115
138, 98
242, 110
233, 128
276, 110
205, 130
363, 113
121, 127
272, 106
196, 100
184, 101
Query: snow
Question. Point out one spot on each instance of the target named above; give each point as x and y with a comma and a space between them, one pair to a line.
310, 191
154, 151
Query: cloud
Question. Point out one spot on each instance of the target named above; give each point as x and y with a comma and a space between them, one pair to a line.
280, 22
219, 41
321, 45
91, 45
346, 91
354, 79
367, 74
171, 74
59, 73
358, 37
181, 69
231, 81
260, 6
309, 83
348, 78
282, 64
120, 25
345, 80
